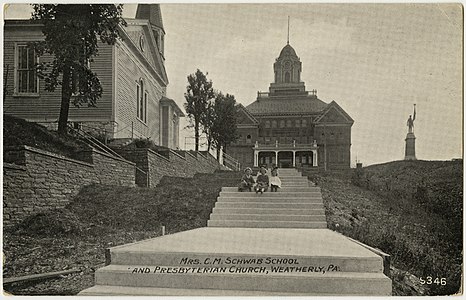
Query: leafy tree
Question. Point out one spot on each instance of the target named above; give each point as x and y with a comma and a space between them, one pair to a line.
71, 35
224, 129
208, 122
198, 94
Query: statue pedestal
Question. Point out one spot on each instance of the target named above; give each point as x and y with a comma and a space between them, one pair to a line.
410, 149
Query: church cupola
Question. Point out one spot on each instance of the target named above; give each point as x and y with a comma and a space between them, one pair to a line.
152, 13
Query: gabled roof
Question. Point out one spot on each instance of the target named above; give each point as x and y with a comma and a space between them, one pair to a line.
247, 114
286, 105
156, 60
334, 114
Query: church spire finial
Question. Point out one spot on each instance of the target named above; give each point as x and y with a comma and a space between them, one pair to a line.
288, 38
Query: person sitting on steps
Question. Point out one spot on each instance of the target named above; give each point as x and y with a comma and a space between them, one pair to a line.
247, 181
275, 182
262, 181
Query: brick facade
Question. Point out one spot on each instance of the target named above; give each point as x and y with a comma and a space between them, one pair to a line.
291, 127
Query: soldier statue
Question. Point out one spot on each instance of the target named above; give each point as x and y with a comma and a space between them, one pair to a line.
410, 122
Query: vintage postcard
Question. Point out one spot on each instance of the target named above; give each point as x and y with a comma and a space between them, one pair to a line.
232, 149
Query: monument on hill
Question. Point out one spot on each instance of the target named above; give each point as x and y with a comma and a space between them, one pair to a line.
410, 148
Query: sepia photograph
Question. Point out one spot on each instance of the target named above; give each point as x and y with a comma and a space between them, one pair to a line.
232, 149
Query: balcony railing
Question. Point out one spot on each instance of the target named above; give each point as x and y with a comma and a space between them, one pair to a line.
267, 94
277, 144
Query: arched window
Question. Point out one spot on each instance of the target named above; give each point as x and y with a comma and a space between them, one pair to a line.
288, 123
248, 139
267, 124
274, 124
282, 123
304, 123
287, 77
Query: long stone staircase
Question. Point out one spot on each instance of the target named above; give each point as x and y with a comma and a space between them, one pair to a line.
273, 244
295, 205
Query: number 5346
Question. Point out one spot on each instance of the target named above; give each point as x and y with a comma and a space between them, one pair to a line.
431, 280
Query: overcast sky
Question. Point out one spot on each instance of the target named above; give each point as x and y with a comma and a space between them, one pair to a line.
374, 60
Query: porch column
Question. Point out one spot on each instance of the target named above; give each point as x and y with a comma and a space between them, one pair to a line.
256, 158
276, 158
294, 158
314, 158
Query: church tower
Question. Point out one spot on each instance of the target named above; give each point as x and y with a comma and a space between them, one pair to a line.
152, 13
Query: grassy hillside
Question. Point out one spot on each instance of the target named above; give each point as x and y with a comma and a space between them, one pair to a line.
409, 209
100, 217
20, 132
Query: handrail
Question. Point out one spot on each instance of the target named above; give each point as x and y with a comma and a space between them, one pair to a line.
102, 147
234, 163
98, 144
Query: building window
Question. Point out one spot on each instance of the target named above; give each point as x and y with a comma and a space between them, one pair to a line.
282, 123
288, 123
287, 77
27, 81
141, 42
267, 124
304, 123
141, 101
297, 123
248, 139
274, 124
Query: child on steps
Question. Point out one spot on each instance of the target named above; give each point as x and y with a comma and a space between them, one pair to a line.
262, 181
275, 182
247, 181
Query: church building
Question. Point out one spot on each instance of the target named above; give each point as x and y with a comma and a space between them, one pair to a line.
291, 127
134, 103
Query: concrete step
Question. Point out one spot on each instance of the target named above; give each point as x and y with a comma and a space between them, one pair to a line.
294, 179
110, 290
291, 176
340, 283
154, 258
269, 205
275, 211
270, 194
232, 262
284, 189
264, 198
264, 217
266, 224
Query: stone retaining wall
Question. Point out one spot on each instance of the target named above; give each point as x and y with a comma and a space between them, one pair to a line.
153, 165
35, 180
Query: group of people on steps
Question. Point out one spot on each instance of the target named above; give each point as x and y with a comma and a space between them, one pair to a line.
262, 182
